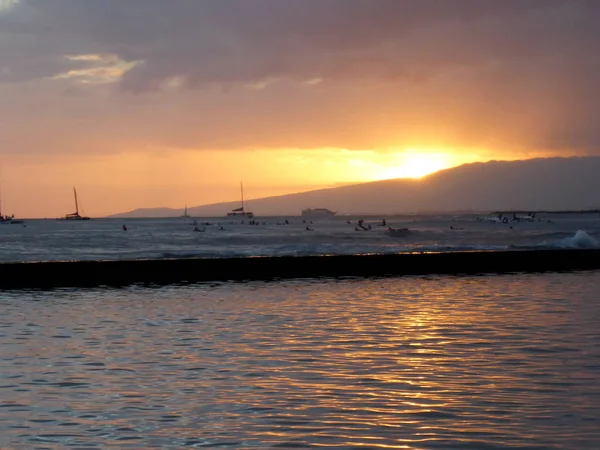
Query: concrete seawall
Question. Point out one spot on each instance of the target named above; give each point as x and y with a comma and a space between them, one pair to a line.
167, 271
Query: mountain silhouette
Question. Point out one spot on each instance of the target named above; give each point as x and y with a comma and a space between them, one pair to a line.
525, 185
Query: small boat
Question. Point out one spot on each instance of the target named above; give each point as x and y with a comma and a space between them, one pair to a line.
75, 215
241, 211
5, 219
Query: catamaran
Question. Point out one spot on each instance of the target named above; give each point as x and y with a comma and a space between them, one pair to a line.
241, 211
75, 215
5, 219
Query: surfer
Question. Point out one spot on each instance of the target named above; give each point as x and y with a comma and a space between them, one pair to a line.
124, 228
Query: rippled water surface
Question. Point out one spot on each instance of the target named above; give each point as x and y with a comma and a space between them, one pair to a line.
494, 362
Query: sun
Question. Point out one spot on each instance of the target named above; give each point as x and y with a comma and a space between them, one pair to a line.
414, 164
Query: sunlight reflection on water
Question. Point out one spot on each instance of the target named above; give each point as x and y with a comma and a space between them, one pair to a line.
492, 362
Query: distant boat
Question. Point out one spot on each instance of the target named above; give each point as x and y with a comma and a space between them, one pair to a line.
75, 215
7, 219
317, 212
185, 213
241, 211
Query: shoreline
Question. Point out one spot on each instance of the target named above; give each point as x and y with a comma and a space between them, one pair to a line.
58, 274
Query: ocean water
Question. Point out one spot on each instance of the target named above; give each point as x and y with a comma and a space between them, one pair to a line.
480, 363
43, 240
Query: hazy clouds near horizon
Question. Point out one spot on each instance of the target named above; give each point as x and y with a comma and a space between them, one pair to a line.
109, 75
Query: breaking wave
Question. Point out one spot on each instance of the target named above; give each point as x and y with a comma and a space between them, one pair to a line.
581, 239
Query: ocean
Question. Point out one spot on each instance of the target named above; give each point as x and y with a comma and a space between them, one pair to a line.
417, 362
104, 239
477, 362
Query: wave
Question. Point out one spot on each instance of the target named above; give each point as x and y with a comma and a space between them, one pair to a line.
581, 239
278, 247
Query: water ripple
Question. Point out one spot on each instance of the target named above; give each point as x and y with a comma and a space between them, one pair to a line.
490, 362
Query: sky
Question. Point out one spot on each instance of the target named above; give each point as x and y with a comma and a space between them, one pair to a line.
152, 103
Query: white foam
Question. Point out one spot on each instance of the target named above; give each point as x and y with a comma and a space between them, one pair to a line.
580, 240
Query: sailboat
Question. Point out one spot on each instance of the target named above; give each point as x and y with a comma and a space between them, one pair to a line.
75, 215
241, 211
185, 213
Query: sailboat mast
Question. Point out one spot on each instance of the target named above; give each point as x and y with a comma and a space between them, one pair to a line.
76, 205
242, 190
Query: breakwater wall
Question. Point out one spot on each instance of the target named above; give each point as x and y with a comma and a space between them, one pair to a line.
51, 274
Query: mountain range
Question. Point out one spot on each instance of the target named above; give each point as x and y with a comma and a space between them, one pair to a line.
525, 185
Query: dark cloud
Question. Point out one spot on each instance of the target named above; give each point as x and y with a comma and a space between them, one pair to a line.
231, 41
504, 74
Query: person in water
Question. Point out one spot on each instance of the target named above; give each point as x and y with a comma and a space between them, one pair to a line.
124, 228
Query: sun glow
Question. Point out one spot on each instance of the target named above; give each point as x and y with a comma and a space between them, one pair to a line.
414, 164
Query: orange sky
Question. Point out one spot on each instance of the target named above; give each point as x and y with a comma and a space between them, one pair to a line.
165, 105
116, 183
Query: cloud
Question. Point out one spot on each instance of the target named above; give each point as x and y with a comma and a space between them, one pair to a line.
515, 75
246, 42
98, 69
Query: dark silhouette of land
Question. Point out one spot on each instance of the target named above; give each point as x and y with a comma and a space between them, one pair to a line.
544, 184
